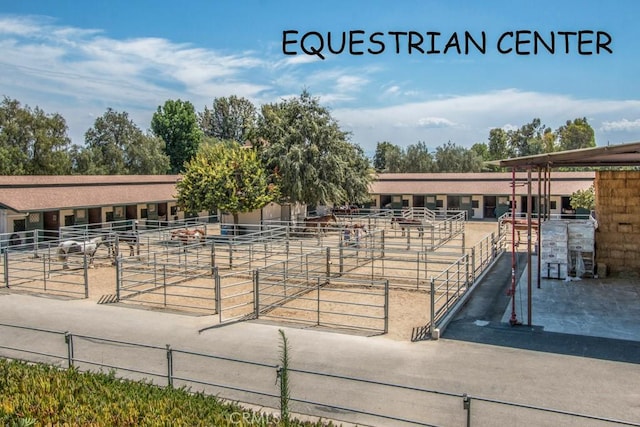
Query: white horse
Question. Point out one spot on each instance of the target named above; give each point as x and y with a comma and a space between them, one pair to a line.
71, 247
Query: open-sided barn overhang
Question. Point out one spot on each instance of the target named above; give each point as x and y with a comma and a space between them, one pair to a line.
617, 202
610, 155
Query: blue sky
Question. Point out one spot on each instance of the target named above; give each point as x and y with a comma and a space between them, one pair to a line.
79, 58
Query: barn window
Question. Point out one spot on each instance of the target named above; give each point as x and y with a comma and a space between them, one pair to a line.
34, 218
475, 204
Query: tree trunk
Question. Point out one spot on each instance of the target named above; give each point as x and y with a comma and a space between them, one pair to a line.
236, 231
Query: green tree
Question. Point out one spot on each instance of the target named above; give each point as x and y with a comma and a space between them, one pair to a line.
384, 149
499, 144
576, 134
315, 162
417, 159
176, 123
227, 177
481, 150
32, 142
452, 158
115, 145
528, 140
230, 118
584, 199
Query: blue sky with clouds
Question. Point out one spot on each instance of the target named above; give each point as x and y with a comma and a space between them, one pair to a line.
78, 58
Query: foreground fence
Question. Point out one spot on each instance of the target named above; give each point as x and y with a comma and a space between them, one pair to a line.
333, 395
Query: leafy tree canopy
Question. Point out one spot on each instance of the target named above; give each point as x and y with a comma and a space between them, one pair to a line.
315, 162
224, 176
230, 118
176, 123
32, 142
115, 145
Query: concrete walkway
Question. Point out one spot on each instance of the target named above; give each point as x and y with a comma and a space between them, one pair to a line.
597, 386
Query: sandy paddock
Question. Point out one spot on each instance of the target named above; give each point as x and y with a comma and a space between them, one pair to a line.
408, 308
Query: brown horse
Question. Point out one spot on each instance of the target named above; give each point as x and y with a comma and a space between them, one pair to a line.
186, 236
408, 223
319, 223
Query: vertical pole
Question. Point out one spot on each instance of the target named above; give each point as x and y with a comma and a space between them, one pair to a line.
466, 405
155, 271
386, 306
432, 315
68, 338
418, 270
218, 296
513, 320
164, 284
529, 266
169, 366
118, 277
328, 266
256, 293
540, 218
230, 256
6, 268
86, 276
318, 301
44, 272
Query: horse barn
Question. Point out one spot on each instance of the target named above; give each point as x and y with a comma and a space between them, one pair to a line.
482, 195
50, 202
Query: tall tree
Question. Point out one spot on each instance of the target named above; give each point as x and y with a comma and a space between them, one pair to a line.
384, 149
227, 177
115, 145
417, 159
499, 144
316, 163
230, 118
32, 142
528, 140
176, 123
452, 158
576, 134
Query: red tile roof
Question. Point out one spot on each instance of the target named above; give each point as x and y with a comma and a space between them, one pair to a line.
40, 193
490, 183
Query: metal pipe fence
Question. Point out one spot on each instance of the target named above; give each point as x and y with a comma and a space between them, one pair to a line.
326, 395
45, 272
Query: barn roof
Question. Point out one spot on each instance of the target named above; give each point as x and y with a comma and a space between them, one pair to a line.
41, 193
610, 155
489, 183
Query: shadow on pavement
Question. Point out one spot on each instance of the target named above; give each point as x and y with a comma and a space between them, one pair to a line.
480, 321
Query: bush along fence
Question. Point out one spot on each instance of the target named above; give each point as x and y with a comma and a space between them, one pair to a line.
334, 395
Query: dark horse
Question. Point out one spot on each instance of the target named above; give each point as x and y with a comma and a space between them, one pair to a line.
408, 223
319, 223
130, 238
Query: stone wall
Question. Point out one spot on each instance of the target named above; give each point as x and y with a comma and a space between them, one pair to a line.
618, 214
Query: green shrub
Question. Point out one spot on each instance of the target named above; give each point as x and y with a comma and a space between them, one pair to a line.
37, 395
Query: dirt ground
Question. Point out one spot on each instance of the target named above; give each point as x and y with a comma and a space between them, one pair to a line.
407, 308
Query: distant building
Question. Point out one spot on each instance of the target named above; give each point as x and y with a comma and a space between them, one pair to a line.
483, 195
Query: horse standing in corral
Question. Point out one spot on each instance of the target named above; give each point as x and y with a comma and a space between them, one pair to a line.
186, 236
319, 223
130, 238
407, 224
72, 247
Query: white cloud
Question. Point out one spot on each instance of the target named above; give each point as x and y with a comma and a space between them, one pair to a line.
435, 122
621, 125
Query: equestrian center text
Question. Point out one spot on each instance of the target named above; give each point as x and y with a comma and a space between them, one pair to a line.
520, 42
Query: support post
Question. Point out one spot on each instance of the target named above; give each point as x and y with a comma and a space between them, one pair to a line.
68, 338
169, 366
86, 276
